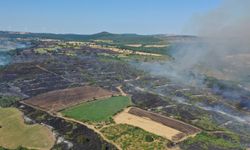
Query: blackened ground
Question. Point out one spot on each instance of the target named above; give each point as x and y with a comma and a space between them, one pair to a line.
55, 71
80, 136
148, 100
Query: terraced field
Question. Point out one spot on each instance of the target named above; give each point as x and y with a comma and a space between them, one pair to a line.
99, 110
13, 128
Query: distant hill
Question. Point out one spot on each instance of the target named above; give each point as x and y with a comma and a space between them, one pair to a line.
117, 38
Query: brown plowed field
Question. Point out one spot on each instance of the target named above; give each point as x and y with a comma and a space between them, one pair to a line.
178, 125
60, 99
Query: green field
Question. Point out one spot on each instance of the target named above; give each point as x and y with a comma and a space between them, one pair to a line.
99, 110
14, 132
207, 141
134, 138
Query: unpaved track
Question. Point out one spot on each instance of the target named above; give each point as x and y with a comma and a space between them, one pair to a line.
121, 91
90, 127
46, 70
59, 115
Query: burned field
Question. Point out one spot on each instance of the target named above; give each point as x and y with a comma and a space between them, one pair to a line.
69, 135
198, 107
52, 76
60, 99
32, 73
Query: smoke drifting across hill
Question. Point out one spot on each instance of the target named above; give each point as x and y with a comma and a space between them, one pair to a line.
222, 50
225, 45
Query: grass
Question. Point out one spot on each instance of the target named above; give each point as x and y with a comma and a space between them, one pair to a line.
99, 110
18, 148
14, 132
134, 138
206, 123
6, 101
207, 140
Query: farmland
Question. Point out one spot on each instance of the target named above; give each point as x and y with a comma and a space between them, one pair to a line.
99, 110
69, 135
14, 129
133, 138
148, 125
82, 83
166, 127
183, 127
60, 99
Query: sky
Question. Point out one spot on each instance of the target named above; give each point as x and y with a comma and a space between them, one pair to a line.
93, 16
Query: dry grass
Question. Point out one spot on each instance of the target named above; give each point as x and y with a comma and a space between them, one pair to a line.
14, 132
146, 124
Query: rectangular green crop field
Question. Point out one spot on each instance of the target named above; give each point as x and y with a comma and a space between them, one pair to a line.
99, 110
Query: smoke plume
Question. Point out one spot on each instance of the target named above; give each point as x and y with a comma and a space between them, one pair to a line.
223, 48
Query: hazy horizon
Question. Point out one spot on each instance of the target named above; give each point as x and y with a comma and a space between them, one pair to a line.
89, 17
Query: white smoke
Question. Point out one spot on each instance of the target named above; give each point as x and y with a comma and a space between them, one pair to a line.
225, 35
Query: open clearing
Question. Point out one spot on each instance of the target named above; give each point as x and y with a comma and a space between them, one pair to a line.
99, 110
14, 132
166, 127
133, 138
60, 99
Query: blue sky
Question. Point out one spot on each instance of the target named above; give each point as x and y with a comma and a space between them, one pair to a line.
92, 16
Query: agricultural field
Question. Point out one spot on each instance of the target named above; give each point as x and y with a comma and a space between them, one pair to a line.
148, 125
81, 83
133, 138
60, 99
13, 128
166, 127
69, 135
99, 110
181, 126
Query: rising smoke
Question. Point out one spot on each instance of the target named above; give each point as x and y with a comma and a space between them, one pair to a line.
222, 50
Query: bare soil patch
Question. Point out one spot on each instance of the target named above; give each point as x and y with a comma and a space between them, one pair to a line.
60, 99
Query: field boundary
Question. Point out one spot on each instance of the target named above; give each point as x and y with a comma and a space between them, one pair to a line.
177, 133
57, 100
59, 115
